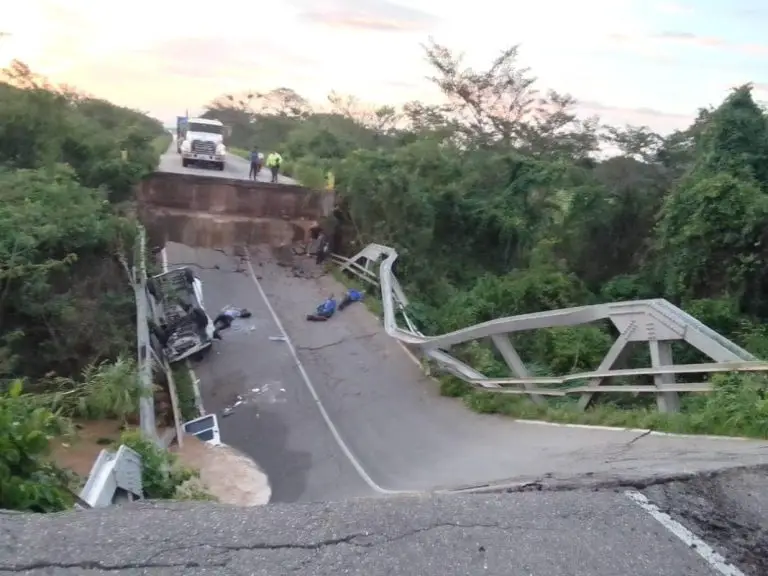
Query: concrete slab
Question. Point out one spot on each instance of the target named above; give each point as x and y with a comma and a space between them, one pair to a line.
531, 534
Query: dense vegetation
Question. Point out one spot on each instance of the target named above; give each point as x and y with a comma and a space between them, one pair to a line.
499, 204
68, 163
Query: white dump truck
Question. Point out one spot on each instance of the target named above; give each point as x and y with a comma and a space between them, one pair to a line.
202, 142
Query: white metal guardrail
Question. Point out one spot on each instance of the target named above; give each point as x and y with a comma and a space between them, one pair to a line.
657, 323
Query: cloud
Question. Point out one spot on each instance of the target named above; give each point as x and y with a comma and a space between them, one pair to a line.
173, 74
215, 58
673, 8
651, 44
688, 38
657, 120
375, 15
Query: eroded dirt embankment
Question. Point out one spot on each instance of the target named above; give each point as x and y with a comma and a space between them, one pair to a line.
728, 510
211, 212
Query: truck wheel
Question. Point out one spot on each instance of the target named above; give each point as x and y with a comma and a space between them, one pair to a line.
221, 167
184, 162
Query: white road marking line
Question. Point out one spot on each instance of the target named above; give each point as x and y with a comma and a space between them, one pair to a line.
323, 412
192, 376
647, 431
693, 542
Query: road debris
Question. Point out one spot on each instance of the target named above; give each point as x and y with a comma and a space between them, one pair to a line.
270, 392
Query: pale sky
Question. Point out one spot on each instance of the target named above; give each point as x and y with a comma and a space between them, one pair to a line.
630, 61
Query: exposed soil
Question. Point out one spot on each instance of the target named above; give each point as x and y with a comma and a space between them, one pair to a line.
728, 510
79, 452
229, 475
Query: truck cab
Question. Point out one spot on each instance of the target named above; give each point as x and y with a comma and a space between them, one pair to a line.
201, 141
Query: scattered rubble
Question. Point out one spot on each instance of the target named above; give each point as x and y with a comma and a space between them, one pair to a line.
270, 392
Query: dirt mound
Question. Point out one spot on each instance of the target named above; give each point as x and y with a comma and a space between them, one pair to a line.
229, 475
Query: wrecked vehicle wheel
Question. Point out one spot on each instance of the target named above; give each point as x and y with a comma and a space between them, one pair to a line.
200, 356
158, 333
152, 288
199, 317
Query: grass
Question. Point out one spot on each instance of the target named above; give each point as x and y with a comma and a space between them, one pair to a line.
161, 143
372, 298
185, 391
738, 405
239, 152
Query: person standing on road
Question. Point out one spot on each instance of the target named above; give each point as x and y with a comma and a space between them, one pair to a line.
255, 163
273, 163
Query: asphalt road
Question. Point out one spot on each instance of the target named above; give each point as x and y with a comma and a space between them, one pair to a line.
391, 430
236, 167
548, 533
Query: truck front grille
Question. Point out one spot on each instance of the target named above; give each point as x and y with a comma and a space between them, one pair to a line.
203, 147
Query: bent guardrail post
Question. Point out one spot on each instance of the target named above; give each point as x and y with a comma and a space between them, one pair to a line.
656, 323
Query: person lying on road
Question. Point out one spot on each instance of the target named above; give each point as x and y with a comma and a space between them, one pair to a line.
324, 311
226, 317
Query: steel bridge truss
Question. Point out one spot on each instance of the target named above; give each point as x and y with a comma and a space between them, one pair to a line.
656, 322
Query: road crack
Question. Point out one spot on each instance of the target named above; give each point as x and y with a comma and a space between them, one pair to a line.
221, 552
337, 342
627, 446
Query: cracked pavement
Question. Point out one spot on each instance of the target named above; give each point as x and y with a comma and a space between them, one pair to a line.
578, 532
393, 419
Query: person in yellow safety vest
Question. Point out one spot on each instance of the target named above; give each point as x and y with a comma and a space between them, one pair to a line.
273, 163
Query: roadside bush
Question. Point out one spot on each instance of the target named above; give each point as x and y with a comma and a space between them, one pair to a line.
163, 477
309, 174
28, 481
105, 390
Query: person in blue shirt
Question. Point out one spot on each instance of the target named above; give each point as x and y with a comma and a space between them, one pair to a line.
255, 163
324, 311
351, 296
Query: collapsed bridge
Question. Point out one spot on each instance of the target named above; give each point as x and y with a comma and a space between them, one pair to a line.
382, 426
206, 211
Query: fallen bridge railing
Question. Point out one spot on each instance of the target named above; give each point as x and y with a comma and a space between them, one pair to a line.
656, 322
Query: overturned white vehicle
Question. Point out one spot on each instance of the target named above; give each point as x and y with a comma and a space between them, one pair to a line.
183, 328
